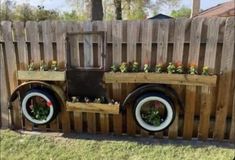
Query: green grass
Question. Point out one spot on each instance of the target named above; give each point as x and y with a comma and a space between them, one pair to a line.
35, 147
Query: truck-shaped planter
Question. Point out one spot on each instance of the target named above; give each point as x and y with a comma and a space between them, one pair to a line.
84, 89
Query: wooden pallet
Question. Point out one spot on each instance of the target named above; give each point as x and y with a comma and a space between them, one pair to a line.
163, 78
42, 75
93, 107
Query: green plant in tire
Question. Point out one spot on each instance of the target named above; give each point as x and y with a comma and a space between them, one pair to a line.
39, 112
152, 117
123, 67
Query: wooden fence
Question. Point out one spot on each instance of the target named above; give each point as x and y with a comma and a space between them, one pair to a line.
209, 113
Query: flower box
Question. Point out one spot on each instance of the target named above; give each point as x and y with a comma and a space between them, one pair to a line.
93, 107
161, 78
42, 75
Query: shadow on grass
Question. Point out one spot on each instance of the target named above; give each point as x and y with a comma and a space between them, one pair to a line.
194, 143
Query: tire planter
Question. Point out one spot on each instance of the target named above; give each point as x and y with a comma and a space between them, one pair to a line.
39, 106
154, 112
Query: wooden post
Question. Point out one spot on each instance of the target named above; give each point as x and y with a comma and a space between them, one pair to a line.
195, 8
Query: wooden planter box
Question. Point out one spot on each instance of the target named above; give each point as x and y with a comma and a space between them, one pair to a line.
42, 75
162, 78
93, 107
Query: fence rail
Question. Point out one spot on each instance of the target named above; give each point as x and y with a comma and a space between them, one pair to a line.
209, 112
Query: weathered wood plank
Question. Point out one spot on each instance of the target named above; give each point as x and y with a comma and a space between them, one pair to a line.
190, 100
93, 107
146, 48
104, 118
177, 57
163, 78
133, 29
117, 59
225, 80
232, 130
32, 35
47, 36
89, 62
146, 39
23, 58
88, 46
162, 40
4, 91
11, 64
207, 93
60, 32
42, 75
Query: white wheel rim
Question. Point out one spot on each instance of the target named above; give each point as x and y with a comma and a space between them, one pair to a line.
26, 114
147, 126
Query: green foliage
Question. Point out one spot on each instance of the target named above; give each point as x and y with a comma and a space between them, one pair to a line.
135, 67
42, 14
179, 69
152, 117
124, 67
114, 68
205, 70
171, 68
193, 69
183, 12
159, 68
24, 12
146, 68
40, 112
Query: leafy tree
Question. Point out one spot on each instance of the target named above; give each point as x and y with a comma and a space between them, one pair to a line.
183, 12
6, 8
70, 16
118, 9
24, 13
42, 14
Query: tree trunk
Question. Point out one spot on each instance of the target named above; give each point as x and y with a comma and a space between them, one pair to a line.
96, 10
118, 9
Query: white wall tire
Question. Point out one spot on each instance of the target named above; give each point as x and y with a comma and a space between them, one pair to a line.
44, 94
154, 97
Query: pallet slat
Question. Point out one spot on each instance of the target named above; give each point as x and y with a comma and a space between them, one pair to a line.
92, 107
42, 75
179, 79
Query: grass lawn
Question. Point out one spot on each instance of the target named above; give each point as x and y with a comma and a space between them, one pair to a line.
35, 147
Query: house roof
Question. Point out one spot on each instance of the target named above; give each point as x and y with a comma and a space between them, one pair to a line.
160, 16
226, 9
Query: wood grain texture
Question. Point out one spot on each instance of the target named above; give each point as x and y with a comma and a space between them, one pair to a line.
146, 39
177, 57
117, 59
190, 99
11, 66
163, 78
208, 93
207, 41
225, 80
4, 92
93, 107
42, 75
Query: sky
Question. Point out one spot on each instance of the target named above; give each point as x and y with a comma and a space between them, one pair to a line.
63, 5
